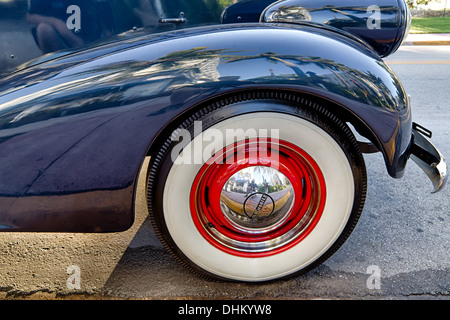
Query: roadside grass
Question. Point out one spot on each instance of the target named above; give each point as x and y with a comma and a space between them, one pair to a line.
430, 25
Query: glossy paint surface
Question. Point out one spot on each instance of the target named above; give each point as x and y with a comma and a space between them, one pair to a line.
111, 77
382, 24
75, 130
32, 28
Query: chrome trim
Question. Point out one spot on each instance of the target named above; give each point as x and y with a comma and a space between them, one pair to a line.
430, 160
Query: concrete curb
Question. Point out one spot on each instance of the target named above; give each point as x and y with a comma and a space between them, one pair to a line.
426, 43
429, 39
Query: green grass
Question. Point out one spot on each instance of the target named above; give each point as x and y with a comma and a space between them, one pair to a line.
430, 25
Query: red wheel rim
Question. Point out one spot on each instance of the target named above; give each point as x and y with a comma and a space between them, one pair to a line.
221, 220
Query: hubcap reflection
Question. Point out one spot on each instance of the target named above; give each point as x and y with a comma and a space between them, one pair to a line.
257, 197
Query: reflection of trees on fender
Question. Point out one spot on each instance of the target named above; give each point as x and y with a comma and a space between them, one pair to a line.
354, 83
194, 66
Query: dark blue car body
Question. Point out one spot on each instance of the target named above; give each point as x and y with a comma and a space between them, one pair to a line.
76, 124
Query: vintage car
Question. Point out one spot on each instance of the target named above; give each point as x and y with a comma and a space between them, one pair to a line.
255, 116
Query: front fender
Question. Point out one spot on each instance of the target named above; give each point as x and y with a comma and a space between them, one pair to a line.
74, 130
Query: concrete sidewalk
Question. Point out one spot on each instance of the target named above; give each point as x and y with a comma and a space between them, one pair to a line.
428, 39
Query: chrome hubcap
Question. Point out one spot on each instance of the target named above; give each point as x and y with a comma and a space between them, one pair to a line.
257, 198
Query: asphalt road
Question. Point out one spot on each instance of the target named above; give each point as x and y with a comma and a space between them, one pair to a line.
399, 250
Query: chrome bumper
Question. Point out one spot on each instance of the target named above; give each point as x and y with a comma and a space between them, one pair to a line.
428, 158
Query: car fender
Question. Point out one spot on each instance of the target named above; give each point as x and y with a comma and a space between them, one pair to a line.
74, 130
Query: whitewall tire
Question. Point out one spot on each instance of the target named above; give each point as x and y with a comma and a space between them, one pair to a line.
264, 206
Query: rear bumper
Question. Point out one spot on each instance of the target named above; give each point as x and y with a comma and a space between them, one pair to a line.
428, 158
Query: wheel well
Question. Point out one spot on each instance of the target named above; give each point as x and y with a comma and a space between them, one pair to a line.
340, 111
